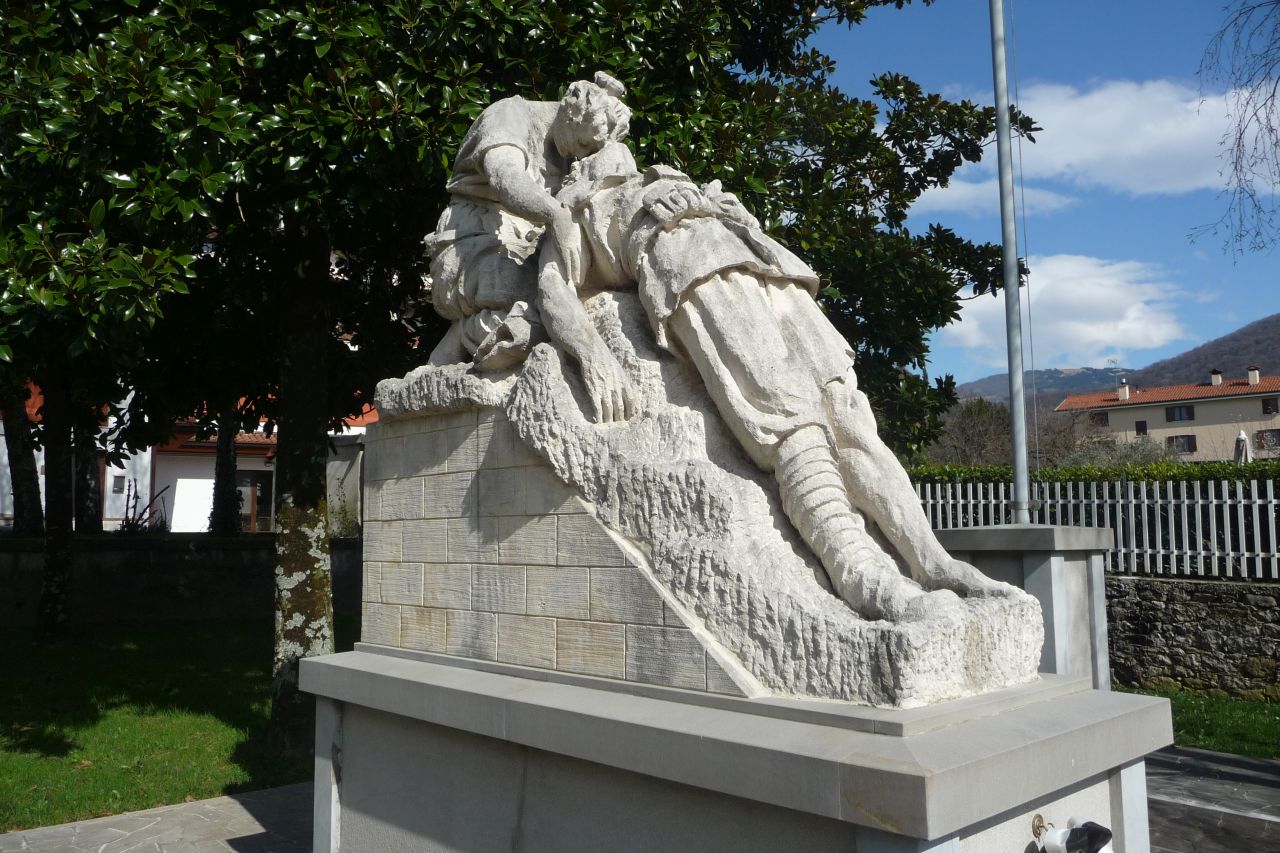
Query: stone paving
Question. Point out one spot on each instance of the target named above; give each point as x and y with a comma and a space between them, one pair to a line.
1207, 802
1200, 802
277, 820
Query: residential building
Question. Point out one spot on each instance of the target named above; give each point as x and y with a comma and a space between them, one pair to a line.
176, 478
1200, 422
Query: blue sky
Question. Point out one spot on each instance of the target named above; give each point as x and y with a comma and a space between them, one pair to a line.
1126, 168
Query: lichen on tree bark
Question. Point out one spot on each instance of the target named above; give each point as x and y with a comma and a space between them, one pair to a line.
304, 610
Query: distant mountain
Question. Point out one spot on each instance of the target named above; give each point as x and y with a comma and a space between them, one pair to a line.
1255, 344
1051, 385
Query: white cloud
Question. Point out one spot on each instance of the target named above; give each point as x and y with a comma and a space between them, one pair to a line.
1085, 311
1157, 137
1153, 137
975, 198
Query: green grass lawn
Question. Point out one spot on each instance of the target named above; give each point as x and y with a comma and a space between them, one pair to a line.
1239, 726
132, 716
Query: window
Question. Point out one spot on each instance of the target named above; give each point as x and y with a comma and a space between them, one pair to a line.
117, 485
1140, 427
255, 500
1266, 439
1271, 405
1098, 419
1180, 413
1181, 443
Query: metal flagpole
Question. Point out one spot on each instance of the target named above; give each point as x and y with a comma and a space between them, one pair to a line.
1012, 301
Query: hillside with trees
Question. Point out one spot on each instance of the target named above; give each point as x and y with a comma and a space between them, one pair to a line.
1255, 344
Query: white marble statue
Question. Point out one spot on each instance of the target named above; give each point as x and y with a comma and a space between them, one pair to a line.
718, 291
666, 359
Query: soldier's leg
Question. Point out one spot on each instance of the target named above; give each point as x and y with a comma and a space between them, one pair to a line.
880, 487
763, 382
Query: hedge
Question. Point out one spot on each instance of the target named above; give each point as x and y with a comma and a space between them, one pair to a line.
1182, 471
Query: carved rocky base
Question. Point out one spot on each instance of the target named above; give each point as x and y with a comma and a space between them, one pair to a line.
473, 479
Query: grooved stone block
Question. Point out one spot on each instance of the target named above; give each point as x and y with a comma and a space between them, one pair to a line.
371, 587
497, 588
449, 495
591, 648
527, 640
523, 491
718, 681
524, 539
423, 453
422, 628
382, 541
402, 583
401, 499
372, 498
462, 449
472, 635
383, 457
624, 595
668, 656
380, 623
447, 585
472, 540
503, 447
581, 541
424, 541
671, 617
558, 591
453, 420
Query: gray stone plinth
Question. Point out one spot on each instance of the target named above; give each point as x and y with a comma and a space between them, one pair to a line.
1063, 568
426, 748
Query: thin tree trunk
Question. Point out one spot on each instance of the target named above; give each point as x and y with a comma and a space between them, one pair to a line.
51, 624
224, 518
28, 516
88, 480
304, 601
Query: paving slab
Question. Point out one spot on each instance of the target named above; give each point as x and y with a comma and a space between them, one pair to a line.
277, 820
1209, 802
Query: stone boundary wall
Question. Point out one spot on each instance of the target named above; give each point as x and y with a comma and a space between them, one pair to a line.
1195, 635
155, 577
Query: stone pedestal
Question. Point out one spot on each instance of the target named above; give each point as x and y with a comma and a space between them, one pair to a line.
1063, 568
419, 752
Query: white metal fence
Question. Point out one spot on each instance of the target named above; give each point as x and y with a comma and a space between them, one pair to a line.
1216, 529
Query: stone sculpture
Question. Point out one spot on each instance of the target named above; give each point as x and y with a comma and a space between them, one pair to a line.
708, 402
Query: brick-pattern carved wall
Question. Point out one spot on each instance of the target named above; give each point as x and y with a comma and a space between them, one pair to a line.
473, 547
1198, 635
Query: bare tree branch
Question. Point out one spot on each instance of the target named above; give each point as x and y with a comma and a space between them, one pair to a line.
1245, 56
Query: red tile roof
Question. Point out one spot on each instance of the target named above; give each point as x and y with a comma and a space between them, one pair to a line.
368, 416
1169, 394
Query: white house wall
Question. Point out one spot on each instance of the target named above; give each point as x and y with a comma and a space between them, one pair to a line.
196, 468
136, 469
1217, 423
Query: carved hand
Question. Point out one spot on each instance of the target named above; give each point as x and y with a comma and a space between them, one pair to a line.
608, 387
671, 205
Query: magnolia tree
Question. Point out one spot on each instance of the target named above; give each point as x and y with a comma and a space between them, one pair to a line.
246, 187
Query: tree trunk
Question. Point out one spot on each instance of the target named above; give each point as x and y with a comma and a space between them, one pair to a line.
51, 624
224, 518
304, 602
28, 517
88, 480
